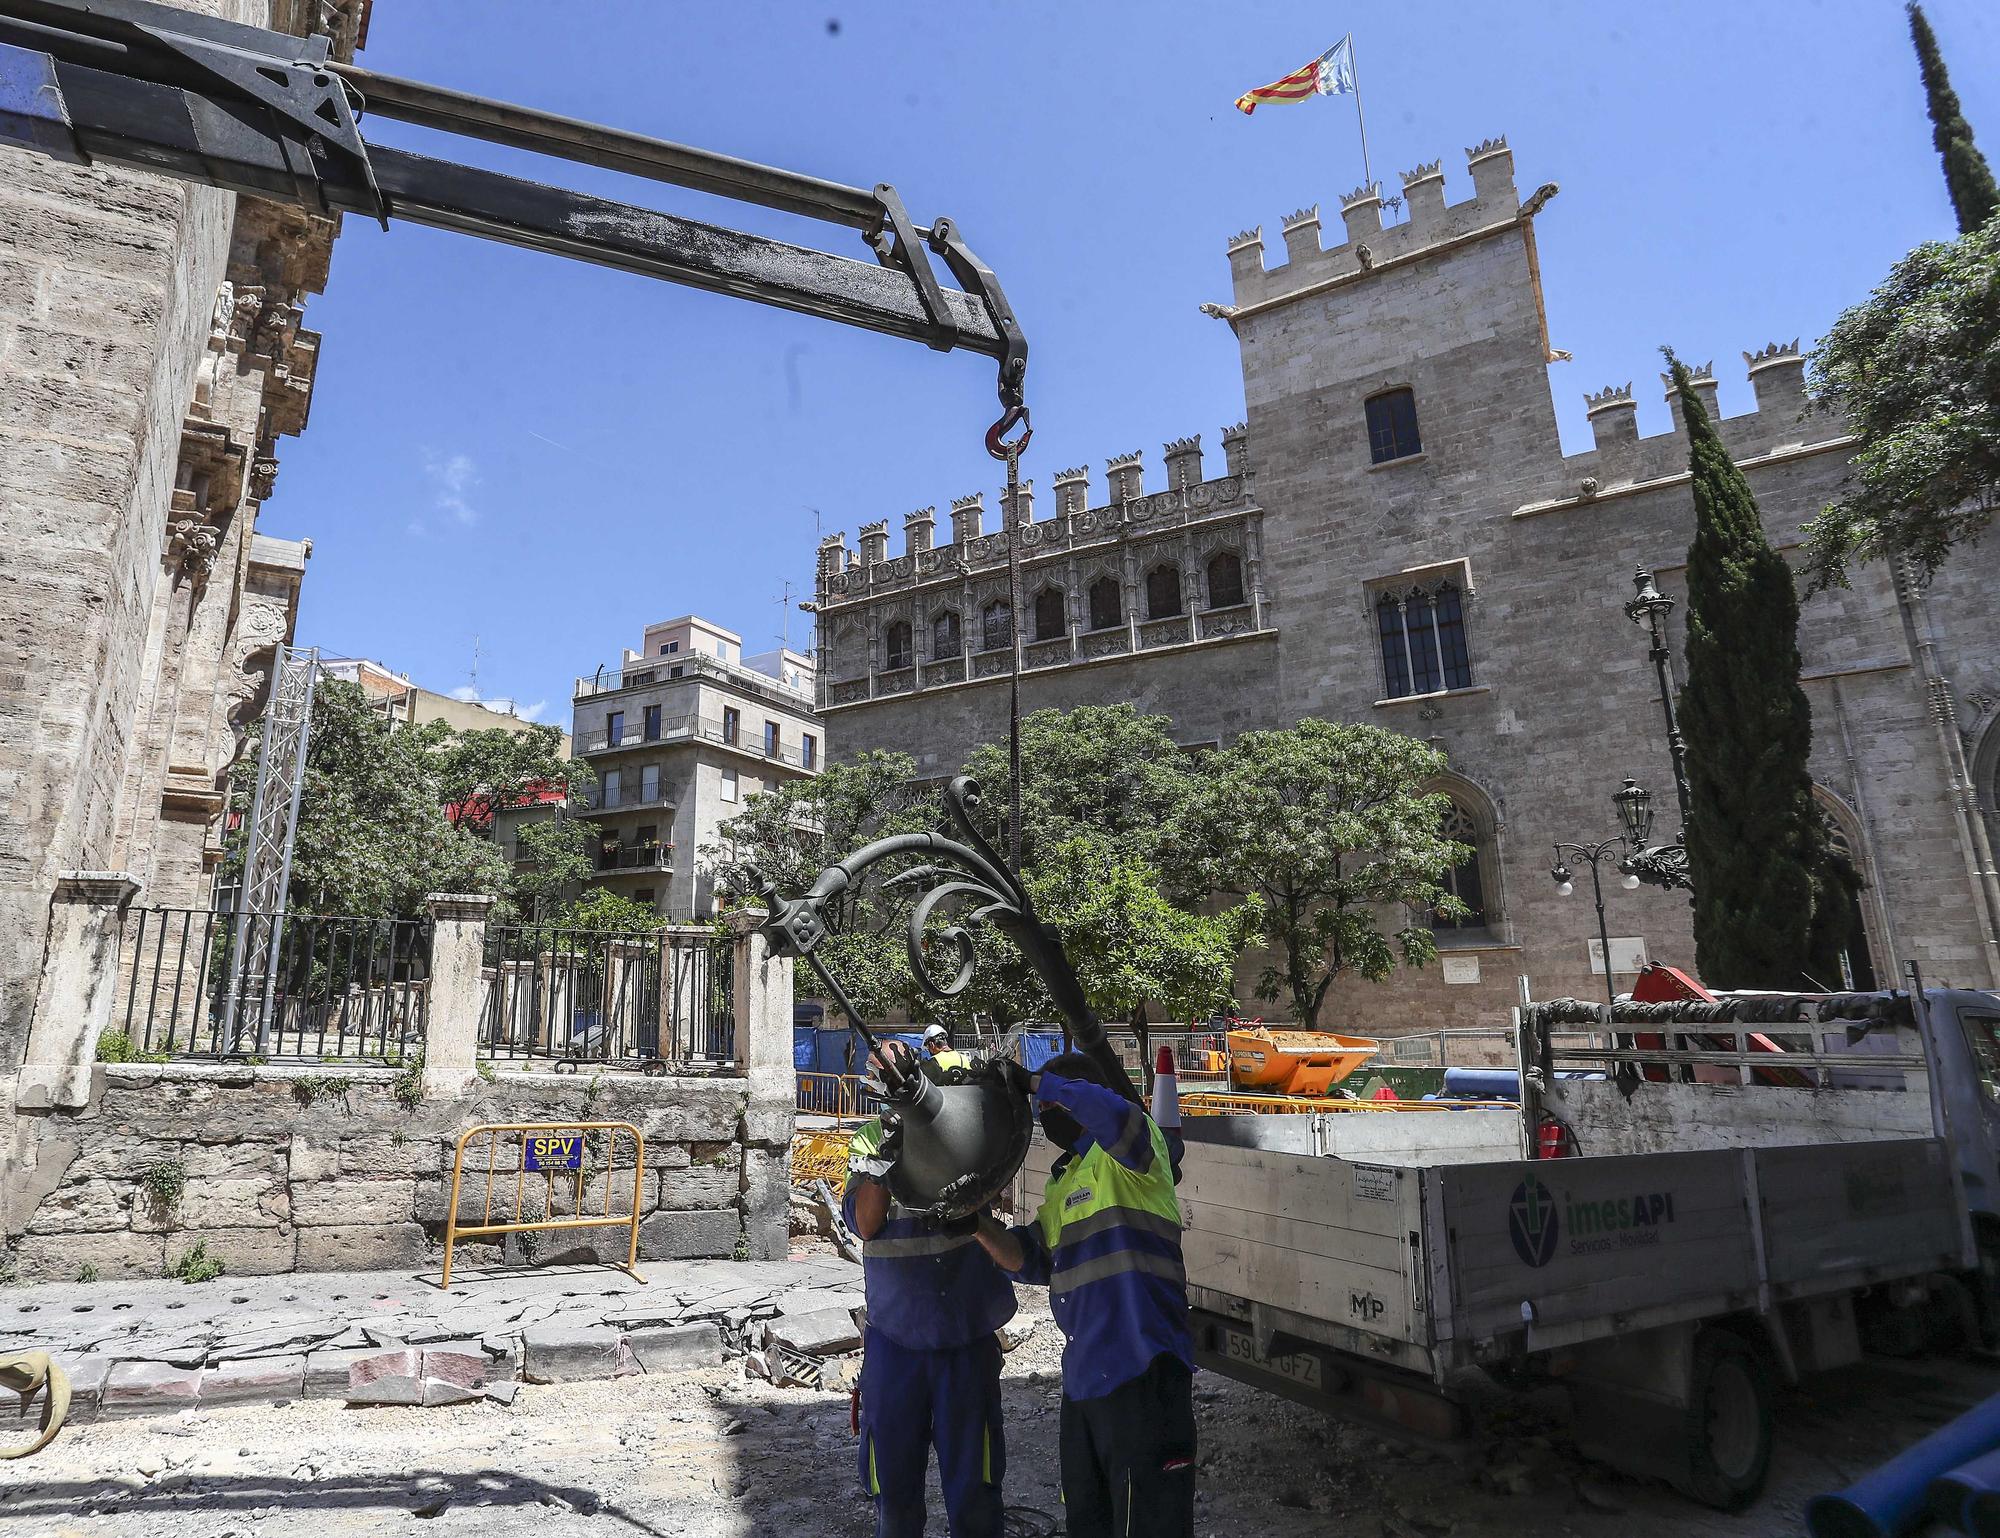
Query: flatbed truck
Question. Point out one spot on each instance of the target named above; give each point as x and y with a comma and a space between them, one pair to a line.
1665, 1239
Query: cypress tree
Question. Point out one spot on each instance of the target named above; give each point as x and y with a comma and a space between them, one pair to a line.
1974, 195
1754, 837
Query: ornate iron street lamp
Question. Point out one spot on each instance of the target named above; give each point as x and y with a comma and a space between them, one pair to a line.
1560, 874
1666, 865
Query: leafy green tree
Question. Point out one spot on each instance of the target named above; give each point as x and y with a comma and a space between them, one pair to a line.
553, 856
1329, 824
608, 912
391, 814
1131, 947
1098, 769
373, 839
1754, 836
1102, 784
1915, 371
1974, 195
790, 833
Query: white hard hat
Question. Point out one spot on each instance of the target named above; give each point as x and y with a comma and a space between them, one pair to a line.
934, 1033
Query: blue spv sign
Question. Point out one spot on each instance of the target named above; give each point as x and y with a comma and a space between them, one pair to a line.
554, 1151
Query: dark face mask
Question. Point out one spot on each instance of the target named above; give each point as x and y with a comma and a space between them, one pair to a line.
1061, 1128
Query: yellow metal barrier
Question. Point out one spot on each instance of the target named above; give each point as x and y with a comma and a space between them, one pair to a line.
820, 1156
843, 1096
548, 1148
1212, 1103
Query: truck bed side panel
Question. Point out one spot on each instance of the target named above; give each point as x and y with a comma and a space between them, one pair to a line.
1584, 1240
1836, 1214
1317, 1236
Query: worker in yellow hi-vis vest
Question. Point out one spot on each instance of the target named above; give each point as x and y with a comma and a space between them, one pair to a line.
1107, 1245
930, 1367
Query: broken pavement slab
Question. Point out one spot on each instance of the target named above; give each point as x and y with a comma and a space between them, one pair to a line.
575, 1353
677, 1348
824, 1332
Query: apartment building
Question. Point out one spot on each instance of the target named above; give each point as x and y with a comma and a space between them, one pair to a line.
680, 733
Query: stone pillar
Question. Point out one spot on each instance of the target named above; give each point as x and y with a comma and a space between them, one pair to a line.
1301, 230
763, 997
764, 1055
458, 947
1361, 211
79, 986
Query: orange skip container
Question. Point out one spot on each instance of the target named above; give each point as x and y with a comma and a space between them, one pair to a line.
1295, 1062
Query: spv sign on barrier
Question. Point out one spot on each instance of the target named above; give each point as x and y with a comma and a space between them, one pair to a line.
554, 1151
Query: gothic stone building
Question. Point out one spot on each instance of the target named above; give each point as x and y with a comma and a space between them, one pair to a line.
151, 357
1397, 537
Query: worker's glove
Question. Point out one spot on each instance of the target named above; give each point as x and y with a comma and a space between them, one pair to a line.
1016, 1078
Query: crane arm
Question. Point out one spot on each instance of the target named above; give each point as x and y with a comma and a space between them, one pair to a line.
144, 85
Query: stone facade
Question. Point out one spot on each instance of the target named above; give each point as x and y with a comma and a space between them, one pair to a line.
1556, 701
151, 355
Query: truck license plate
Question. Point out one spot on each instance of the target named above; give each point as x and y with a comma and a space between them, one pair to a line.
1299, 1367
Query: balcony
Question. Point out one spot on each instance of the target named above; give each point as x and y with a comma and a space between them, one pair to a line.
640, 857
682, 667
699, 729
628, 797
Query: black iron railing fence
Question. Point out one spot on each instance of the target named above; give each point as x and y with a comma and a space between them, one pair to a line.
651, 999
308, 987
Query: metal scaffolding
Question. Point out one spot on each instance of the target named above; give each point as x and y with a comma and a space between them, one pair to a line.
256, 936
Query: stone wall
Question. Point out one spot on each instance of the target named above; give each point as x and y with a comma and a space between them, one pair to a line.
326, 1168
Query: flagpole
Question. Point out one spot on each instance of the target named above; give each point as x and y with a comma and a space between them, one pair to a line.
1367, 175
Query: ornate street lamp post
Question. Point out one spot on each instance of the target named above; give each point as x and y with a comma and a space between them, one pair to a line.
1666, 865
1559, 873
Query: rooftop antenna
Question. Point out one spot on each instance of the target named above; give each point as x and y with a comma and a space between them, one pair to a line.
784, 603
472, 677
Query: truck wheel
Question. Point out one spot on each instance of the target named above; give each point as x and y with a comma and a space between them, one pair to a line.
1728, 1423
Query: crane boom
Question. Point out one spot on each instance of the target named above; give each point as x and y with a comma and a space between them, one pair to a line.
139, 84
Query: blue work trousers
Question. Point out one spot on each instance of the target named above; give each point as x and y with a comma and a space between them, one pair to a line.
912, 1401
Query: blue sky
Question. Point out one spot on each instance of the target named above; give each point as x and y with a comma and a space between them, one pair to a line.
548, 456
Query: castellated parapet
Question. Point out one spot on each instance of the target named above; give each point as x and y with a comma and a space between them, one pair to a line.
1127, 475
1614, 415
1127, 513
1701, 377
1235, 441
1184, 461
1778, 375
1302, 233
1072, 491
968, 517
1369, 244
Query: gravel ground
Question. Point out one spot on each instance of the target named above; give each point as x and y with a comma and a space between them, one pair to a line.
715, 1453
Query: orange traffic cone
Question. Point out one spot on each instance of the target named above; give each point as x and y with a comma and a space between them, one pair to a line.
1166, 1092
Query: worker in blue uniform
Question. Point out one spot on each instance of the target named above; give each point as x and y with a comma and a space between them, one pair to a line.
930, 1367
1107, 1244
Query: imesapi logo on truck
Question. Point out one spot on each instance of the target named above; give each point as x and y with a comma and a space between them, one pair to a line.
1537, 1221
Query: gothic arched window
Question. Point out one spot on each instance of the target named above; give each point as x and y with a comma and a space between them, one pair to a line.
1163, 592
1422, 634
996, 626
1107, 607
945, 638
897, 639
1225, 580
1465, 881
1051, 623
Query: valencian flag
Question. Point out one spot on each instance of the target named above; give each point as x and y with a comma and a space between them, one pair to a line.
1331, 74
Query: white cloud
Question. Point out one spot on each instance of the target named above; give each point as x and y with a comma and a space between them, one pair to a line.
532, 712
452, 477
467, 693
